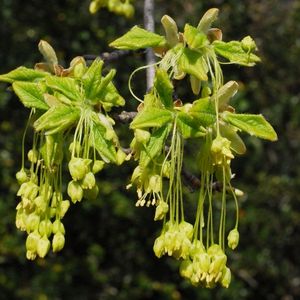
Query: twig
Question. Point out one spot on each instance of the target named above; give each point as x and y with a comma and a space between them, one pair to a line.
150, 26
108, 57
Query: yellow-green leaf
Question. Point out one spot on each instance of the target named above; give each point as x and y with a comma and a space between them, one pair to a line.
137, 38
23, 74
103, 146
252, 124
235, 53
64, 85
155, 145
164, 87
57, 119
30, 94
193, 63
151, 117
203, 111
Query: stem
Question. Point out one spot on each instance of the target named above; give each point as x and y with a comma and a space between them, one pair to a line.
149, 25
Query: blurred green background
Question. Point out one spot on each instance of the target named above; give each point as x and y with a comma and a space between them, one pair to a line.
108, 252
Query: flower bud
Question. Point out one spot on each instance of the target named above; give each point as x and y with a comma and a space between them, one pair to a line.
41, 204
58, 226
186, 268
75, 191
248, 44
97, 166
226, 277
233, 238
32, 222
21, 176
58, 242
142, 136
88, 181
30, 255
43, 246
155, 183
32, 241
187, 229
64, 206
75, 147
77, 168
217, 264
204, 262
45, 228
159, 246
161, 210
48, 52
33, 155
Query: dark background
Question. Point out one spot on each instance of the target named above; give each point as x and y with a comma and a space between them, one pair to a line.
108, 252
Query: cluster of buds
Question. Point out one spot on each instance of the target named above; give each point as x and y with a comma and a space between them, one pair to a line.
206, 268
175, 240
41, 208
119, 7
221, 152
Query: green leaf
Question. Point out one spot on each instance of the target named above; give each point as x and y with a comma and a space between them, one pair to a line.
57, 119
23, 74
235, 53
151, 117
193, 63
155, 145
30, 94
164, 87
252, 124
92, 78
110, 97
203, 111
188, 126
137, 38
104, 147
66, 86
194, 38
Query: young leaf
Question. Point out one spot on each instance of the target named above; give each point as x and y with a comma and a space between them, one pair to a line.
188, 126
235, 53
226, 92
252, 124
171, 30
194, 38
137, 38
164, 87
92, 78
104, 147
22, 74
64, 85
151, 117
110, 97
208, 18
155, 145
193, 63
30, 94
57, 119
203, 111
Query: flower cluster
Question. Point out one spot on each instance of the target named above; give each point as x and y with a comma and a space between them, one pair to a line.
119, 7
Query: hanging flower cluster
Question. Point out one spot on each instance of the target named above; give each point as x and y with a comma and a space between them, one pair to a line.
119, 7
163, 124
69, 108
